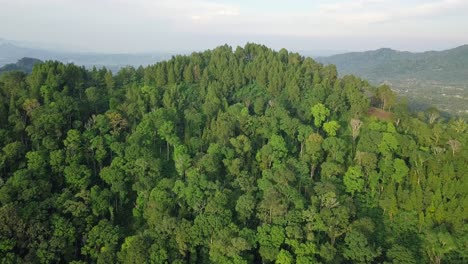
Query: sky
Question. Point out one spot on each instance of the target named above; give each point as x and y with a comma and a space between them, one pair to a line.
130, 26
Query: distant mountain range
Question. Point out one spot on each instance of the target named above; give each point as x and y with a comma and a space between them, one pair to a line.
450, 66
10, 52
437, 78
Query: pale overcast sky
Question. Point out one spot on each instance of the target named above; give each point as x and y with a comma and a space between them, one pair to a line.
176, 25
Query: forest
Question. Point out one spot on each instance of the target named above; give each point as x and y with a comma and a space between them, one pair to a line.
244, 155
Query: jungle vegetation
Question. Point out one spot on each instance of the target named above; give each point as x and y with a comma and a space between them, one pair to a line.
244, 155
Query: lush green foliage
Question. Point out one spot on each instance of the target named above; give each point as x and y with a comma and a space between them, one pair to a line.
245, 156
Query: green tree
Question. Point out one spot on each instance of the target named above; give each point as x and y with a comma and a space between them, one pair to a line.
358, 249
101, 243
353, 180
331, 128
387, 97
320, 114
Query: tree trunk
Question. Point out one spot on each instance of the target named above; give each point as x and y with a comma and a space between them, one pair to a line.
312, 171
167, 150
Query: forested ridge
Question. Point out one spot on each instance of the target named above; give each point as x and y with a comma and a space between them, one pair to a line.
446, 66
225, 156
431, 78
25, 65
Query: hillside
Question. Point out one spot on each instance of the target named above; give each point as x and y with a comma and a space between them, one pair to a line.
244, 155
437, 78
11, 52
25, 65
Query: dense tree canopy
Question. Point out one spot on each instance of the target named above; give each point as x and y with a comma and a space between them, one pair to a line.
225, 156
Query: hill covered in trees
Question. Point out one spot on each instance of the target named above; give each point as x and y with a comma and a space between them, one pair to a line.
438, 78
25, 65
225, 156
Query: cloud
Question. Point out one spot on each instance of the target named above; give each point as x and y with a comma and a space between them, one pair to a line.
344, 6
145, 23
367, 12
189, 9
354, 13
436, 8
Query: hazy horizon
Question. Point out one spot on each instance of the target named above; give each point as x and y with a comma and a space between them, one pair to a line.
142, 26
320, 51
